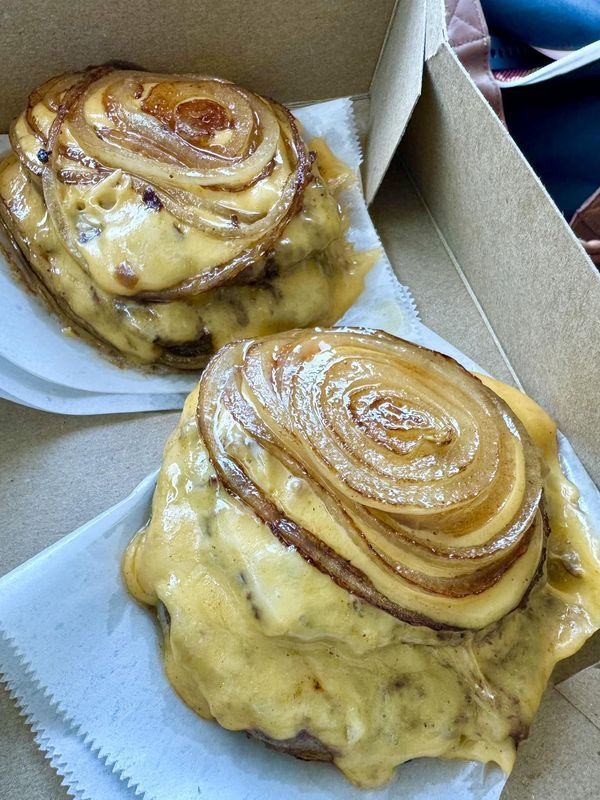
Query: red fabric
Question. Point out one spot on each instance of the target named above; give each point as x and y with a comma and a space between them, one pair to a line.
508, 75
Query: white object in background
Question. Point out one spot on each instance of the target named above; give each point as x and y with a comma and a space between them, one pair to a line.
567, 63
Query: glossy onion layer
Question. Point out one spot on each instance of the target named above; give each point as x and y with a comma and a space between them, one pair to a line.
184, 143
430, 483
166, 215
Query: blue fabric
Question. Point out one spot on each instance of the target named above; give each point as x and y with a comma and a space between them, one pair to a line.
506, 52
552, 24
556, 123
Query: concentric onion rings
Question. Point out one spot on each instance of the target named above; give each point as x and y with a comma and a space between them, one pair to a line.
166, 215
432, 483
181, 174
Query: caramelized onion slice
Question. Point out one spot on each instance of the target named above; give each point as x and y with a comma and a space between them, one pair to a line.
195, 142
426, 486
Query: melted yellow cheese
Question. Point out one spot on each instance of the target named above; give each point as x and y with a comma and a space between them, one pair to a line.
159, 249
260, 640
318, 274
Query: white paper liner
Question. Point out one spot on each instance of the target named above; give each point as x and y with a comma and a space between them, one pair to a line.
82, 660
86, 670
43, 368
64, 748
23, 388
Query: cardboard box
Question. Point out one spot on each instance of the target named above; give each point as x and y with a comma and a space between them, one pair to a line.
491, 263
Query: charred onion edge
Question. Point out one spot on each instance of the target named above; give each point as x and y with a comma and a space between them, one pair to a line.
303, 745
315, 552
24, 267
75, 86
288, 532
223, 273
475, 583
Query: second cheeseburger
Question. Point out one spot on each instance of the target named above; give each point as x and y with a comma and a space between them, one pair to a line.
162, 216
361, 552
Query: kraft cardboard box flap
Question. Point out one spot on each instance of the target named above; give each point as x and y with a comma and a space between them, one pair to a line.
524, 270
304, 51
309, 51
394, 91
435, 31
